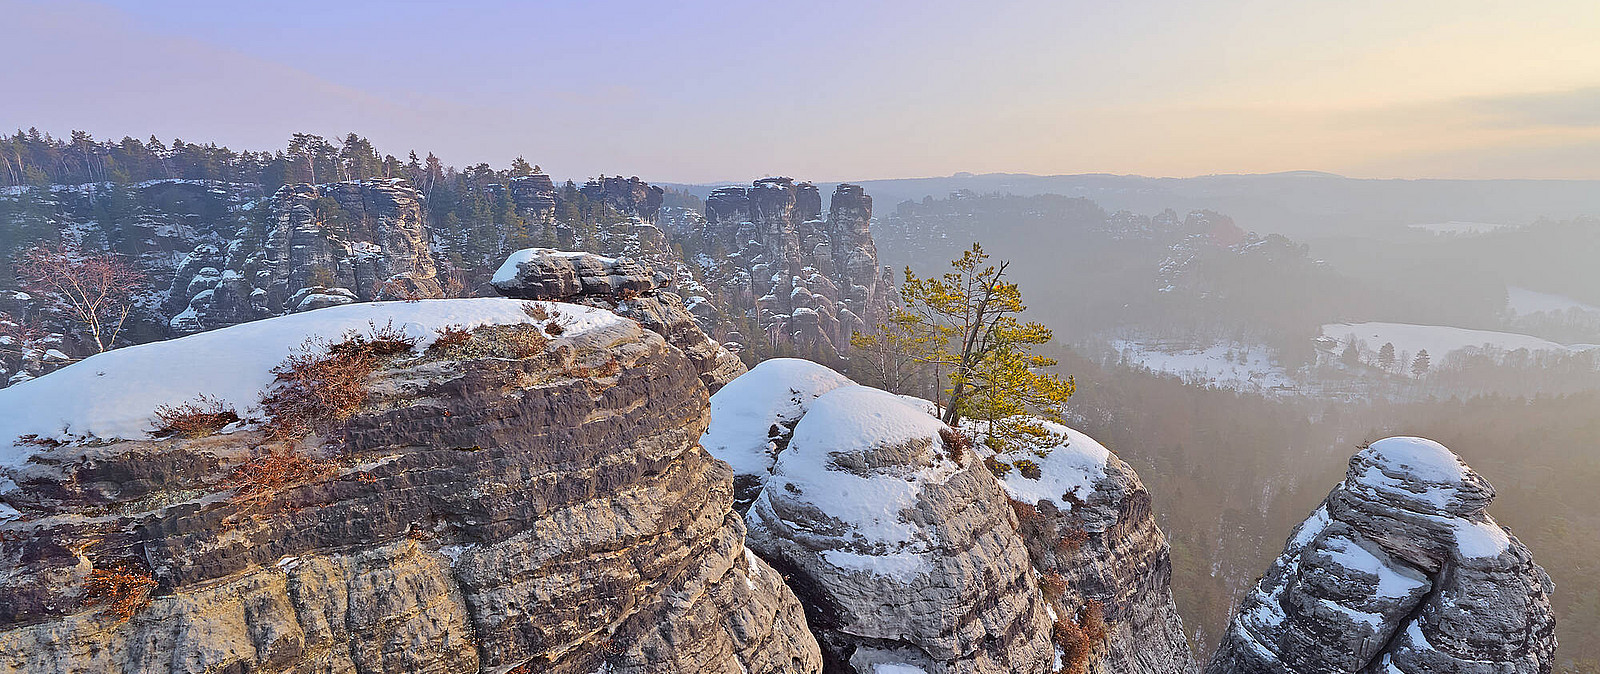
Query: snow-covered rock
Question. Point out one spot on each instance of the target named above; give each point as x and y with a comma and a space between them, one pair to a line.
753, 416
115, 394
866, 504
1399, 570
1092, 525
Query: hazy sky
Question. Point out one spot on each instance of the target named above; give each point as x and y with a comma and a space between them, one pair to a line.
699, 91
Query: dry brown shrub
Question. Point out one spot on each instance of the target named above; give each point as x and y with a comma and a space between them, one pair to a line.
1027, 514
554, 329
254, 481
1071, 540
1028, 469
326, 384
1077, 638
1053, 585
996, 466
197, 418
606, 369
380, 341
449, 337
535, 311
956, 443
123, 591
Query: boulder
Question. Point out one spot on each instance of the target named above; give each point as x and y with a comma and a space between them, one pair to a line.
1399, 570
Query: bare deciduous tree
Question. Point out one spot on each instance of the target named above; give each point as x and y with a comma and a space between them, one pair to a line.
95, 289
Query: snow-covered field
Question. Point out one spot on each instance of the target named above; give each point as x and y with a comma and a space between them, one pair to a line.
1524, 302
1437, 339
1226, 365
115, 394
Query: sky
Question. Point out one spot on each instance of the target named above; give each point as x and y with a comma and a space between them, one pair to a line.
690, 91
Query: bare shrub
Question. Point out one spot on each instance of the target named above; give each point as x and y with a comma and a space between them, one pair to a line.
535, 311
1071, 540
197, 418
322, 385
1053, 585
1077, 638
956, 443
1027, 515
122, 590
380, 341
255, 481
449, 337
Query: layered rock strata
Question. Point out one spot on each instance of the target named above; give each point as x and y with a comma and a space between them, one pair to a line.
323, 245
1399, 570
858, 495
488, 509
1091, 528
623, 286
805, 280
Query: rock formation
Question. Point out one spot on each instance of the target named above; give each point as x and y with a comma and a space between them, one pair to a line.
859, 497
623, 286
323, 245
1091, 528
805, 282
487, 509
1399, 570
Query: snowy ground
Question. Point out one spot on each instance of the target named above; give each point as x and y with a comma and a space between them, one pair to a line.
1437, 339
1524, 302
115, 394
1241, 367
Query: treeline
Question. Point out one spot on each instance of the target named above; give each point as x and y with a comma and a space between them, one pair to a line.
471, 206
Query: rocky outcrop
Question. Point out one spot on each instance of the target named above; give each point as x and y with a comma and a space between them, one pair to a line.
630, 196
1092, 530
860, 496
1399, 570
905, 550
485, 511
322, 245
805, 281
624, 286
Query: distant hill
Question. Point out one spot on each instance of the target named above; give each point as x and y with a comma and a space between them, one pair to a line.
1298, 203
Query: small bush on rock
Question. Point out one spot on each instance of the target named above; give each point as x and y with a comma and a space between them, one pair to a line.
1028, 469
198, 418
996, 466
123, 591
1027, 515
1077, 638
449, 337
956, 443
255, 480
326, 384
1053, 585
1071, 540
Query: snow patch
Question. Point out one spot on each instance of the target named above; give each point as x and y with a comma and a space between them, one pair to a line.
114, 394
774, 392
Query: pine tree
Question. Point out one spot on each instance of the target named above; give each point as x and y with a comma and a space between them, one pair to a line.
1386, 356
1352, 354
1421, 364
964, 324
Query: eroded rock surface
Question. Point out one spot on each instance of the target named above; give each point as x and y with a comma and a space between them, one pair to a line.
483, 512
808, 280
1399, 570
1092, 525
905, 553
624, 286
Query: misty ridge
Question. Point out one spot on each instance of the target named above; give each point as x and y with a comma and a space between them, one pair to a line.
1029, 338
